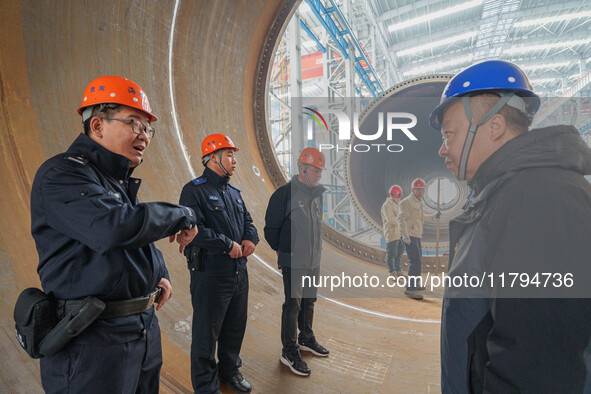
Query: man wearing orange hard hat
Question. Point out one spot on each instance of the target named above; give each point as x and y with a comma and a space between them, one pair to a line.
411, 221
293, 229
217, 263
97, 256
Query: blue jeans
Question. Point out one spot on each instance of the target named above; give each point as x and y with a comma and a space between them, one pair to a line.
394, 252
415, 262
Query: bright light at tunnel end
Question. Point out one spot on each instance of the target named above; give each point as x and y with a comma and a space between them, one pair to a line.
448, 193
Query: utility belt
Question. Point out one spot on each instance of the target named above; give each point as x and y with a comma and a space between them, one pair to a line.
45, 325
113, 309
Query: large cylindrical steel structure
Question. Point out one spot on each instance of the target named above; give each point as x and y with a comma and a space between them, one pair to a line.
399, 159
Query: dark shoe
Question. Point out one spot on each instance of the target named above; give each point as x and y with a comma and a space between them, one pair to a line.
294, 361
414, 294
421, 288
313, 346
238, 383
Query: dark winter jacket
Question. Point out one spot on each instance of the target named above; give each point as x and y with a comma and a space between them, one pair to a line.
93, 236
531, 213
222, 219
293, 223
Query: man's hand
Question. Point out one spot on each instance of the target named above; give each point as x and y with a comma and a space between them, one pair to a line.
236, 251
405, 238
438, 215
184, 238
165, 294
247, 247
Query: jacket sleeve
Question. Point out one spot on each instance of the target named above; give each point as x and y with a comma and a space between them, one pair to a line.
206, 237
274, 218
250, 231
403, 216
390, 214
77, 205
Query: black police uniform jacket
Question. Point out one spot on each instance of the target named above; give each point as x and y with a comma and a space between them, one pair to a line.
531, 214
93, 236
222, 218
293, 224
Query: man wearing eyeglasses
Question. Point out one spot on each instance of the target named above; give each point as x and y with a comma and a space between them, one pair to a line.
94, 238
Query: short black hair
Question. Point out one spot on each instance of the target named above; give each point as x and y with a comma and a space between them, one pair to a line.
104, 110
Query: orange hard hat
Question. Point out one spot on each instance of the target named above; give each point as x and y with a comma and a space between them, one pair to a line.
313, 157
117, 90
396, 191
214, 142
418, 183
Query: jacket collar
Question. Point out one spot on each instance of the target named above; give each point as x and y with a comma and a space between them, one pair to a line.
556, 146
313, 192
219, 181
106, 161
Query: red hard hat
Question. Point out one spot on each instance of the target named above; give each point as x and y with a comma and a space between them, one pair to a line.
419, 184
396, 191
117, 90
215, 142
313, 157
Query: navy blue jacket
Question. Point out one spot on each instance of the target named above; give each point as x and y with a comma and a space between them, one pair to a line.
222, 218
93, 236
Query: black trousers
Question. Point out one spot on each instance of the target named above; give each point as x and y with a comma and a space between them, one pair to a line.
220, 311
298, 308
129, 367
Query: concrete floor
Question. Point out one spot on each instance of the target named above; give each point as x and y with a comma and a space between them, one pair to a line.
202, 83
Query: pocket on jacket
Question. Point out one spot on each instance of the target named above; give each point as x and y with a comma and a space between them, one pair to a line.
215, 207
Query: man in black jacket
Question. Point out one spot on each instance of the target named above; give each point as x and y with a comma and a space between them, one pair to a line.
95, 239
217, 262
293, 229
524, 233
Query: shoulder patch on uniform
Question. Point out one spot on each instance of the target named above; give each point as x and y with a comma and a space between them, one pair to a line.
199, 181
233, 187
77, 159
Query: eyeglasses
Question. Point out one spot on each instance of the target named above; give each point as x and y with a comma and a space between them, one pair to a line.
137, 127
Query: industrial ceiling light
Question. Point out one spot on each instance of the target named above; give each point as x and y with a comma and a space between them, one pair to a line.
436, 44
446, 66
550, 19
530, 48
544, 66
435, 15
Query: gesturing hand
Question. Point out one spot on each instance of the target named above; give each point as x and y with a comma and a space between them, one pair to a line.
184, 237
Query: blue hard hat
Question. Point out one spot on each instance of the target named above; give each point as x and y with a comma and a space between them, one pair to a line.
489, 76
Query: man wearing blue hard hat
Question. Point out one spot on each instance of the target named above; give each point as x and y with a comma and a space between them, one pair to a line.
528, 218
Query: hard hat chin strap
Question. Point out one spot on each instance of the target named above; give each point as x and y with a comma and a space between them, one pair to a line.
505, 97
305, 167
220, 163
